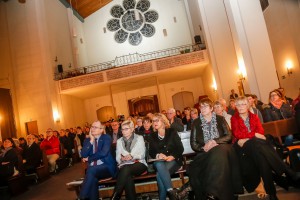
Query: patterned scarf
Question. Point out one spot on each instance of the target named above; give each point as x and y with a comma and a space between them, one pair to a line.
210, 130
128, 142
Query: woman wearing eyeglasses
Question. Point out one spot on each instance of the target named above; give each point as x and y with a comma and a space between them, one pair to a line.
214, 172
257, 157
130, 156
165, 145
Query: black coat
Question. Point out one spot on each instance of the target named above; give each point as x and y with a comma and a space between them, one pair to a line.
171, 145
272, 113
7, 170
33, 156
197, 138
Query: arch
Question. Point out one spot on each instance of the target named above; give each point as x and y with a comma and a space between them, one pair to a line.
105, 113
182, 100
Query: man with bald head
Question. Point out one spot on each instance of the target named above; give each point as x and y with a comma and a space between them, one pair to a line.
96, 152
51, 145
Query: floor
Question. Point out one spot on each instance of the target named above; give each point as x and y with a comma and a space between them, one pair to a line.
55, 188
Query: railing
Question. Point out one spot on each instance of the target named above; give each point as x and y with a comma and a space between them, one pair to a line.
129, 59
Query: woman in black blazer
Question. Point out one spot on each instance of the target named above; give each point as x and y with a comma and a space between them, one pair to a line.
165, 146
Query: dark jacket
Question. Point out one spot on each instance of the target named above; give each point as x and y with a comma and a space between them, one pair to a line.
32, 155
274, 114
197, 138
177, 125
7, 170
103, 153
171, 145
139, 130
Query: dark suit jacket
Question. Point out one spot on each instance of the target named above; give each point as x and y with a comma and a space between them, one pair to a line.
177, 125
197, 138
118, 135
32, 155
102, 154
171, 145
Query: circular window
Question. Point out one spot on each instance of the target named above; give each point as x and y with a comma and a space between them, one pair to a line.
132, 21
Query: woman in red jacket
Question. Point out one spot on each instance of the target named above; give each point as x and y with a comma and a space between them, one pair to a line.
257, 157
51, 146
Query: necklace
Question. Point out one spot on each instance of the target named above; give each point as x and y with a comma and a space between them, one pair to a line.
160, 137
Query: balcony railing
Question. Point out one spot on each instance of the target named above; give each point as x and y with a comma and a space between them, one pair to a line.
129, 59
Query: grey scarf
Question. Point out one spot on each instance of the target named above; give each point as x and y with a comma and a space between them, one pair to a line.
128, 142
210, 130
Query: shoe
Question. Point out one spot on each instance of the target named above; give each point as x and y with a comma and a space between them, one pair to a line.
115, 196
183, 192
211, 197
172, 194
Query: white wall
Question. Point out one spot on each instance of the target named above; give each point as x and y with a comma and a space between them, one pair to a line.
166, 91
282, 20
101, 47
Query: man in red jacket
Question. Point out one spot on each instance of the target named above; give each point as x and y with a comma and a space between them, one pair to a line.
51, 146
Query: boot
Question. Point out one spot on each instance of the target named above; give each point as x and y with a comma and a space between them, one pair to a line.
184, 191
172, 194
115, 196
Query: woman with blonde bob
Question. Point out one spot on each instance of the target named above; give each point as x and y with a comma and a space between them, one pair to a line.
130, 156
257, 157
165, 145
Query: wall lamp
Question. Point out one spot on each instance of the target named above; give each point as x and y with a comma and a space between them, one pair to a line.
289, 66
56, 116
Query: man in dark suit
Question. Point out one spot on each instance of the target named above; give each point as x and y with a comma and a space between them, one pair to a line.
32, 155
96, 152
115, 134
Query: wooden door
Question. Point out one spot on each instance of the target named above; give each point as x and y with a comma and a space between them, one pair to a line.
182, 100
31, 127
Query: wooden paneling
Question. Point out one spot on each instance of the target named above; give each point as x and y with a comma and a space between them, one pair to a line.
87, 7
31, 127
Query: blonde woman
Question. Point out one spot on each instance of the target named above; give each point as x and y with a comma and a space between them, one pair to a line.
130, 156
165, 145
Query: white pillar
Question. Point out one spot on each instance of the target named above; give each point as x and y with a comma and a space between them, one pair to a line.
236, 35
252, 45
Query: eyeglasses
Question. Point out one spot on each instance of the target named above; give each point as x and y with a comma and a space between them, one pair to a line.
125, 129
95, 127
274, 95
241, 104
114, 124
155, 120
204, 106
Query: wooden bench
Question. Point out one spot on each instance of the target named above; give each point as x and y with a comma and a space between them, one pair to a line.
281, 128
146, 182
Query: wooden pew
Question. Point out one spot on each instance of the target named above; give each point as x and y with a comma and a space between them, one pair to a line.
43, 170
281, 128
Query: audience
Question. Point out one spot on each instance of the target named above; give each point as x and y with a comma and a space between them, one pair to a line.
175, 122
233, 95
115, 135
139, 126
186, 120
51, 146
214, 172
278, 109
32, 155
22, 143
252, 107
231, 107
257, 157
101, 164
166, 146
8, 161
130, 156
219, 110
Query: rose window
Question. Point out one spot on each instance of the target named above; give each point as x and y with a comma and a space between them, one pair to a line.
132, 21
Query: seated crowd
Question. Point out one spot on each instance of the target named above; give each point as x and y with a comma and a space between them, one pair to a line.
231, 149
